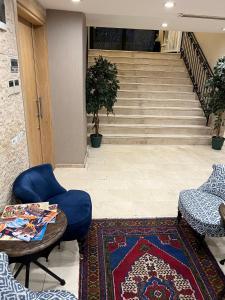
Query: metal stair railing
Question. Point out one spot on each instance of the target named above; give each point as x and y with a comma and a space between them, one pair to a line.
198, 68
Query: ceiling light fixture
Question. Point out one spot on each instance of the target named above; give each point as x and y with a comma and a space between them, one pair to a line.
169, 4
164, 25
75, 0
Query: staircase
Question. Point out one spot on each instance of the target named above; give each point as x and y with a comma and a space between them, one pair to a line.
156, 103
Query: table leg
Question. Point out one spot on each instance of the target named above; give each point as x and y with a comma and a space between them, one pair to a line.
18, 271
81, 245
27, 275
62, 282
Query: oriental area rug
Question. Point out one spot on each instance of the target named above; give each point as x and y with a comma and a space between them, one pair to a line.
147, 259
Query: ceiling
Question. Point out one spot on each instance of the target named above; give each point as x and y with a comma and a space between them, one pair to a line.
145, 14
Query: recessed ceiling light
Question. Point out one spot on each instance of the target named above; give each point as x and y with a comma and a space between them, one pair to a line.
169, 4
75, 0
164, 25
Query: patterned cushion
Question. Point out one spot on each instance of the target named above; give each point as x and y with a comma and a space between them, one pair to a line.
216, 183
201, 211
11, 289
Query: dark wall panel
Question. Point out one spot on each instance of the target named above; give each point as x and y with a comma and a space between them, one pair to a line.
122, 39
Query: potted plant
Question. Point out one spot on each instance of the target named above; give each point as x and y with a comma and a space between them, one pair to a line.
101, 92
216, 101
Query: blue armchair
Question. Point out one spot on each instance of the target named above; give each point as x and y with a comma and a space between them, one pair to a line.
12, 289
38, 184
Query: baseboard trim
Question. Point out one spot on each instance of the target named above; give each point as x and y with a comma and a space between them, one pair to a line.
83, 165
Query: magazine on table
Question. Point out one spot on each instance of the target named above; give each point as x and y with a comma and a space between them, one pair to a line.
2, 228
27, 221
24, 229
23, 210
11, 237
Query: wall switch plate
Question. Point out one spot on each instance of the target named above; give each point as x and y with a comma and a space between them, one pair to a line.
11, 87
14, 65
11, 83
14, 87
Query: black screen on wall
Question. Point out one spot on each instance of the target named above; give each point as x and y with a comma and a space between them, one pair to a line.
2, 11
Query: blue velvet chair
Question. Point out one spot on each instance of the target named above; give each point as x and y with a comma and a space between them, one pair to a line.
12, 289
38, 184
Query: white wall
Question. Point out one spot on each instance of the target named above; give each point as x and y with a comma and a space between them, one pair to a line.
67, 61
213, 45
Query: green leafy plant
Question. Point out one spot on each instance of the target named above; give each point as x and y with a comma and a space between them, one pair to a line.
216, 94
101, 89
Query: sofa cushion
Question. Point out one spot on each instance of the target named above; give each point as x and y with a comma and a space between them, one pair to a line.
216, 183
78, 209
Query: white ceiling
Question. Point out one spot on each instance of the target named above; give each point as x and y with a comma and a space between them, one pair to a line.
145, 14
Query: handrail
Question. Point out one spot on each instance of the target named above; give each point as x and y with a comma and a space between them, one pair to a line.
198, 68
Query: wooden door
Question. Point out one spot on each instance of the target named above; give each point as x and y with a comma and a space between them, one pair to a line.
30, 93
35, 82
42, 75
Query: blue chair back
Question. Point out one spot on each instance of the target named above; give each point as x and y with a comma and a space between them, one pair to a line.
37, 184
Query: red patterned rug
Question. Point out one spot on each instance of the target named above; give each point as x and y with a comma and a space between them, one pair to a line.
147, 259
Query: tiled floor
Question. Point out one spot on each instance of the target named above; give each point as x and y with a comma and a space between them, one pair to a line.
130, 181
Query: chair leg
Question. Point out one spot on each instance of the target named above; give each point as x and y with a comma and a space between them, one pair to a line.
201, 240
179, 217
81, 244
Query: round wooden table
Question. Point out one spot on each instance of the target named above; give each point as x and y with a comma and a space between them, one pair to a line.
26, 253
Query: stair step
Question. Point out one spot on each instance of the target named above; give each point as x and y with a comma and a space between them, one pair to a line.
150, 80
150, 119
156, 87
135, 54
146, 67
152, 129
156, 139
156, 94
139, 60
153, 74
157, 111
144, 102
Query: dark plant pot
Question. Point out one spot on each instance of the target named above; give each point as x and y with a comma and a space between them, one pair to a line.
96, 140
217, 142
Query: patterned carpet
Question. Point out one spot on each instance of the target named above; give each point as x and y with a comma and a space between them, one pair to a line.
143, 259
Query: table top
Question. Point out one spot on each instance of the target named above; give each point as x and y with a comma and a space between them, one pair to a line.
53, 233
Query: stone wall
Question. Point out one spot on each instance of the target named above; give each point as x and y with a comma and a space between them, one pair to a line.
13, 144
